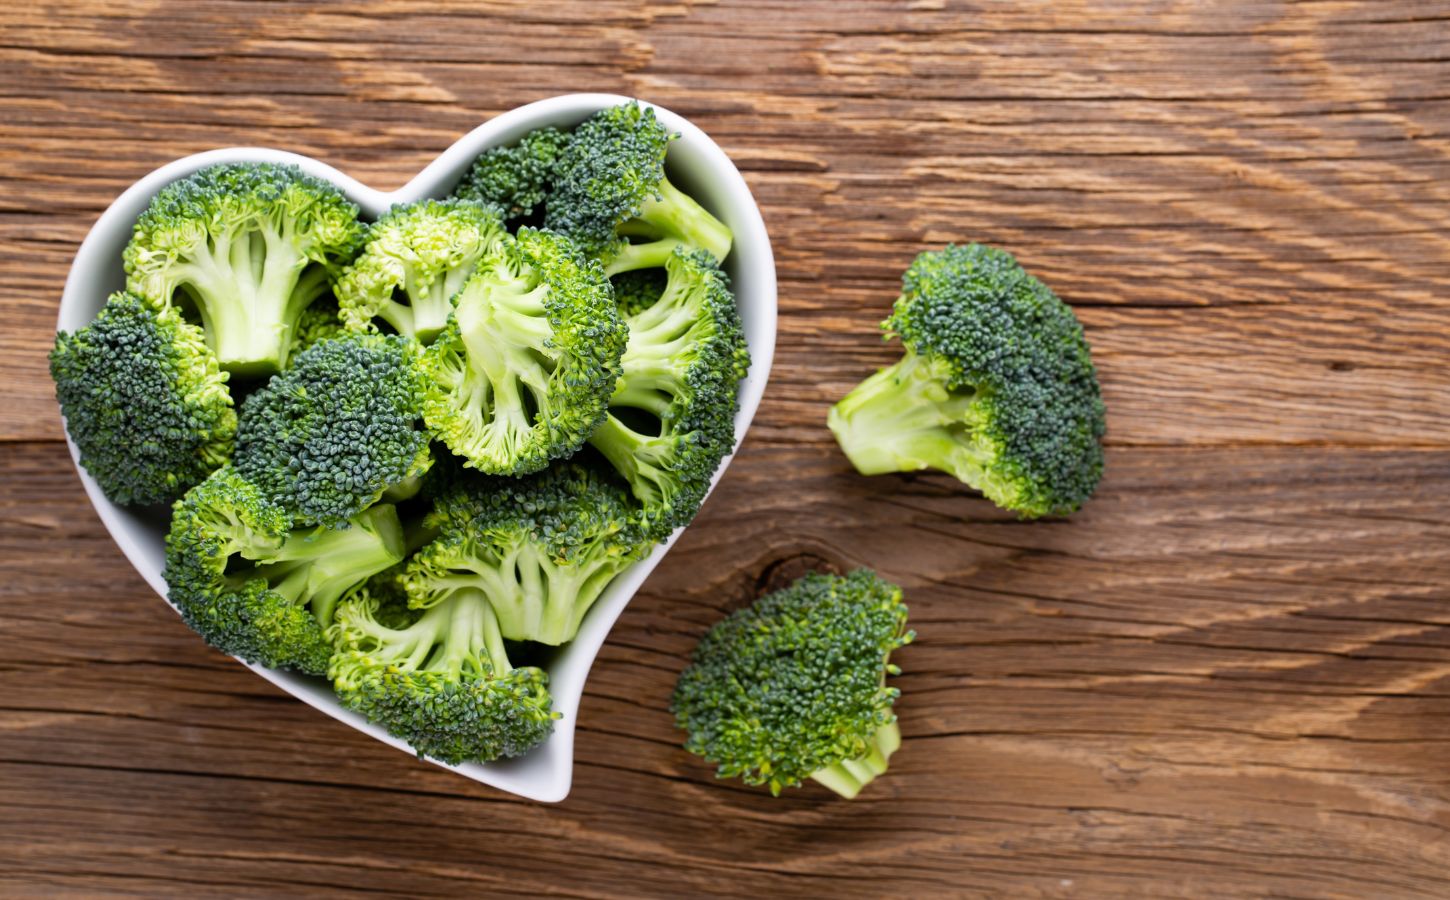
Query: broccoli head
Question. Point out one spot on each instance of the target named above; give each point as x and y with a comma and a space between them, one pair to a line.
541, 549
794, 687
318, 322
672, 416
246, 247
440, 679
515, 180
416, 258
254, 586
326, 438
523, 371
144, 401
997, 387
612, 197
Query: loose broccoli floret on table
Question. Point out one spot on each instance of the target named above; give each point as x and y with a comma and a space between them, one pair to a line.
144, 401
257, 587
794, 686
326, 438
416, 258
523, 372
245, 247
997, 387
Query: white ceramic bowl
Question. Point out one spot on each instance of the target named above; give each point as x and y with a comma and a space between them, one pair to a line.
695, 163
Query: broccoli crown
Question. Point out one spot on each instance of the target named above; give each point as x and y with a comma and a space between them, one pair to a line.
672, 416
612, 197
997, 386
794, 685
515, 180
439, 679
416, 258
523, 371
542, 549
253, 586
246, 247
144, 401
327, 437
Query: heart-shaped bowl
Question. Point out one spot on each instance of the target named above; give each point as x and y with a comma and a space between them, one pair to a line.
694, 163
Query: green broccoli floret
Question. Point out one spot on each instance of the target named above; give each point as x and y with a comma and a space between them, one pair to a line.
997, 387
672, 416
144, 401
612, 197
541, 549
794, 687
256, 587
523, 371
416, 258
318, 322
515, 180
343, 424
246, 247
439, 679
638, 289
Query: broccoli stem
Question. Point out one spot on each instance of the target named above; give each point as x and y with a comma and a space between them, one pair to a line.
630, 452
323, 564
904, 418
673, 219
849, 776
249, 293
429, 306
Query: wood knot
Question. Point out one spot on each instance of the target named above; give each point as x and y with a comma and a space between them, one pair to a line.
783, 572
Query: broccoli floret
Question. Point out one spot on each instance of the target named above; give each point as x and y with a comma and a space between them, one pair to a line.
612, 197
256, 587
639, 289
416, 258
794, 686
246, 247
343, 424
144, 401
318, 322
541, 549
515, 180
997, 387
440, 679
523, 371
672, 416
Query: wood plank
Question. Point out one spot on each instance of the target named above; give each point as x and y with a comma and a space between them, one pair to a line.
1246, 201
1229, 675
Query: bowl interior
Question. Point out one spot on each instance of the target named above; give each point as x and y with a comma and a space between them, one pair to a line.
695, 164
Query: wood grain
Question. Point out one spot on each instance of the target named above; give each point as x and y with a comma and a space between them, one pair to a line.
1228, 676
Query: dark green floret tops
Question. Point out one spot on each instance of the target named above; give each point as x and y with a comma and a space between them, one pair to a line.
794, 686
144, 401
997, 387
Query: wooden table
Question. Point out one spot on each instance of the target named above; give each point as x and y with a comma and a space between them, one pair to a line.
1229, 675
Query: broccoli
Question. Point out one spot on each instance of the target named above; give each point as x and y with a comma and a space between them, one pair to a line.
612, 197
794, 686
672, 416
439, 679
541, 549
515, 180
256, 587
318, 322
246, 247
523, 371
997, 387
144, 401
343, 424
638, 289
416, 258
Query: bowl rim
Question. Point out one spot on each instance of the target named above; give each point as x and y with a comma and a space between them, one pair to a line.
545, 773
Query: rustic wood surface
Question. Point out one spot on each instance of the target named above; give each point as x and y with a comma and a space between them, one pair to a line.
1229, 675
